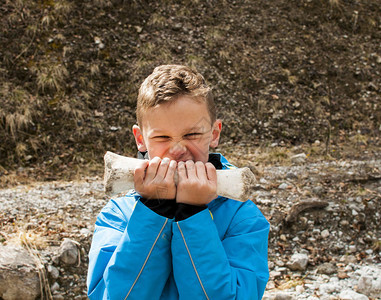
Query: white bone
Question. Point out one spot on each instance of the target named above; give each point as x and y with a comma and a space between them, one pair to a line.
119, 178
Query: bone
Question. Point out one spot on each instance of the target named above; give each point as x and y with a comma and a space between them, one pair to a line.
119, 178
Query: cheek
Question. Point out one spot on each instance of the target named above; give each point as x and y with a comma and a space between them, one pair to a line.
199, 146
157, 149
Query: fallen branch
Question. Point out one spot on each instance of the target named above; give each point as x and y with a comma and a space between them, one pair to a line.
301, 206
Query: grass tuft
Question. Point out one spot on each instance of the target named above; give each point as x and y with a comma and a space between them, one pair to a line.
50, 76
334, 3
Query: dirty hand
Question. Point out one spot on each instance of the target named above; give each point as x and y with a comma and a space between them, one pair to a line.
197, 183
154, 179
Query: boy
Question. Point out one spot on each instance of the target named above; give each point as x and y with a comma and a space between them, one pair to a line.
168, 241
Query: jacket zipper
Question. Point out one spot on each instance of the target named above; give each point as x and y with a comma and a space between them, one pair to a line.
194, 267
145, 262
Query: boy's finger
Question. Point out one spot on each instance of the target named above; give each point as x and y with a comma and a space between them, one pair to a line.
139, 173
201, 170
181, 170
211, 172
171, 169
152, 169
191, 169
163, 167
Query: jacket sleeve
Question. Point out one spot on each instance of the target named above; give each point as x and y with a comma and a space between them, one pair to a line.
206, 267
130, 253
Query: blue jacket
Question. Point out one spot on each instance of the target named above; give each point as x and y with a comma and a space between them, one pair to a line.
219, 253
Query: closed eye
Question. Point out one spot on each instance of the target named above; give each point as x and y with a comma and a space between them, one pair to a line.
161, 138
193, 135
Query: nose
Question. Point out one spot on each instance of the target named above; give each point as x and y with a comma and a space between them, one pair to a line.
177, 150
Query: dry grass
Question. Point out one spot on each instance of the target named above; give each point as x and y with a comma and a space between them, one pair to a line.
102, 3
50, 76
70, 109
94, 69
157, 19
291, 283
334, 3
62, 7
18, 109
47, 20
29, 242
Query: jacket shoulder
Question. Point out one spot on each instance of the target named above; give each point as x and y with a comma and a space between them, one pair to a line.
117, 212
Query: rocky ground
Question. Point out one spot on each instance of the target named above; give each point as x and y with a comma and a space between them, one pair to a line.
324, 240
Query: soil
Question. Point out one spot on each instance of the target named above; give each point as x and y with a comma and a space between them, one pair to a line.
289, 72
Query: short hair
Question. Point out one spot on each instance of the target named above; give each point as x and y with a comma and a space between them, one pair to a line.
167, 83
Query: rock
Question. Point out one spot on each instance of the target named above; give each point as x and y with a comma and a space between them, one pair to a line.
376, 286
298, 262
325, 233
299, 289
329, 288
364, 285
291, 175
85, 232
342, 275
18, 274
275, 274
53, 271
68, 252
283, 186
55, 287
177, 26
299, 158
352, 295
327, 268
318, 190
283, 296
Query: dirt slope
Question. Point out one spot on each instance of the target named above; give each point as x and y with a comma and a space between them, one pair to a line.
282, 71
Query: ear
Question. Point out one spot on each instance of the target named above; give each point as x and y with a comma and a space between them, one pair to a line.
216, 131
139, 138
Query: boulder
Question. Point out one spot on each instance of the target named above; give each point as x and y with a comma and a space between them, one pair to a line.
18, 274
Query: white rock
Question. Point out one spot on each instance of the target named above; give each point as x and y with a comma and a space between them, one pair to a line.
298, 262
18, 274
299, 158
299, 289
376, 286
55, 287
283, 296
364, 285
325, 233
275, 274
283, 186
53, 271
352, 295
68, 252
327, 288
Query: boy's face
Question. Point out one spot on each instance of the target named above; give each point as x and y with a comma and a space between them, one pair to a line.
180, 130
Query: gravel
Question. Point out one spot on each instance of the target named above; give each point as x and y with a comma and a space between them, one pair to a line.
329, 253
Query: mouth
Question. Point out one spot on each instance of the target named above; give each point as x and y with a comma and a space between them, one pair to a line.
181, 160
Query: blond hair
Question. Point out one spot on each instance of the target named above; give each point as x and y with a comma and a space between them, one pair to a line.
167, 83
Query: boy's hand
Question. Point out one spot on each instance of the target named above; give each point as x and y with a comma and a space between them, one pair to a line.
197, 183
154, 179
